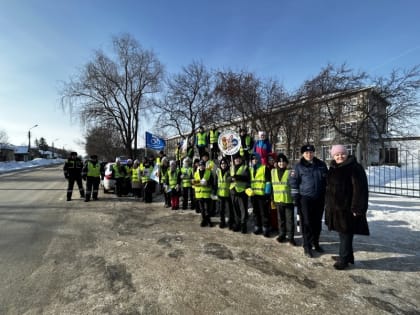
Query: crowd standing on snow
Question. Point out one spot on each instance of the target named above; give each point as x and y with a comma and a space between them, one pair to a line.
221, 186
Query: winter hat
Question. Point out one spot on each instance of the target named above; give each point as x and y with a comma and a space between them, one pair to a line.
256, 156
186, 162
338, 148
307, 147
202, 163
282, 158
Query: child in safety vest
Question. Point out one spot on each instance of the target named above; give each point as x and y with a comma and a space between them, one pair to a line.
283, 200
204, 186
173, 184
223, 194
186, 185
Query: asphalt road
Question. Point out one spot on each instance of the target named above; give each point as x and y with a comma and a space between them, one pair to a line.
121, 256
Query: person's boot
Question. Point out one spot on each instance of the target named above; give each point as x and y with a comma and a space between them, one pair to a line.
266, 232
257, 230
318, 248
203, 222
337, 258
209, 223
308, 252
340, 265
222, 223
244, 228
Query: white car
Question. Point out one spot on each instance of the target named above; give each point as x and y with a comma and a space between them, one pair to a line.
108, 182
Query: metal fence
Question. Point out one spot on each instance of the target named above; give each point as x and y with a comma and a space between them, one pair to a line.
402, 179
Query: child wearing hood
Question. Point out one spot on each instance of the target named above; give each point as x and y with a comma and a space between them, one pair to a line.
263, 147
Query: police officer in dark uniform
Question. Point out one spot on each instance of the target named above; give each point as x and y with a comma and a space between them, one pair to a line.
73, 173
308, 184
91, 173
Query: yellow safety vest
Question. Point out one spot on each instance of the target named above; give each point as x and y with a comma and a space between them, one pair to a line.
281, 189
202, 192
258, 180
173, 177
93, 170
239, 186
214, 136
201, 138
117, 173
135, 175
187, 173
222, 184
247, 146
146, 172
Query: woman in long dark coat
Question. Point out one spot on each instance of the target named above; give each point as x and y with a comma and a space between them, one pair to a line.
346, 203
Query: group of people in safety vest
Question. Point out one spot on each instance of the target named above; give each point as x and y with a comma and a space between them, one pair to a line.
219, 185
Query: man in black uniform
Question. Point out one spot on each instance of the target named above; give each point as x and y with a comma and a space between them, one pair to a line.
73, 173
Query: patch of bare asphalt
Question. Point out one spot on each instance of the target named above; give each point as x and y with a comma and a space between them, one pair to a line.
268, 268
387, 306
118, 278
131, 222
360, 279
218, 250
167, 240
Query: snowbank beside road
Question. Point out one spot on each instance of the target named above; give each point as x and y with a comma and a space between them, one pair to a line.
13, 165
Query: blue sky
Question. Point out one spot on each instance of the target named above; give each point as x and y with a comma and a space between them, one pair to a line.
45, 42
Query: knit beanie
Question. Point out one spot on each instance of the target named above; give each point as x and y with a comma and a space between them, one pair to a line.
338, 148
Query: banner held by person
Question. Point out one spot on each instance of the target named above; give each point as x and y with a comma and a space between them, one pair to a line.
229, 142
154, 142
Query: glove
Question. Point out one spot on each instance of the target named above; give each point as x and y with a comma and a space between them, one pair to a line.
84, 177
66, 176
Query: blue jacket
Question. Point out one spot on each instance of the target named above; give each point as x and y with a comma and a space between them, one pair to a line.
308, 179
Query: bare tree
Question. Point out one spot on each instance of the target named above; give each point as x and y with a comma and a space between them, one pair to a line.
114, 91
188, 100
389, 104
105, 142
401, 91
246, 99
3, 136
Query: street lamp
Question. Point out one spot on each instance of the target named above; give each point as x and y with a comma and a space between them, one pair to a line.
29, 140
53, 146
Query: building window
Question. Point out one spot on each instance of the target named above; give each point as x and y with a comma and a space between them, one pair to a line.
349, 127
350, 105
326, 132
389, 155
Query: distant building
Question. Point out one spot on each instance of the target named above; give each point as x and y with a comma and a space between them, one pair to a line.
7, 152
356, 118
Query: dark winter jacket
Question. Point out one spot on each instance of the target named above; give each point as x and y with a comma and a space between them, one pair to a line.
347, 194
308, 179
73, 168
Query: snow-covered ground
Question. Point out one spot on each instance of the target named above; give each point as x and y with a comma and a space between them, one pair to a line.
397, 210
13, 166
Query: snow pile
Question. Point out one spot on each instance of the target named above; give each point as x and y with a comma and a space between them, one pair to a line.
13, 165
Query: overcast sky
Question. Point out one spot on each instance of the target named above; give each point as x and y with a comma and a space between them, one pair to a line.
45, 42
